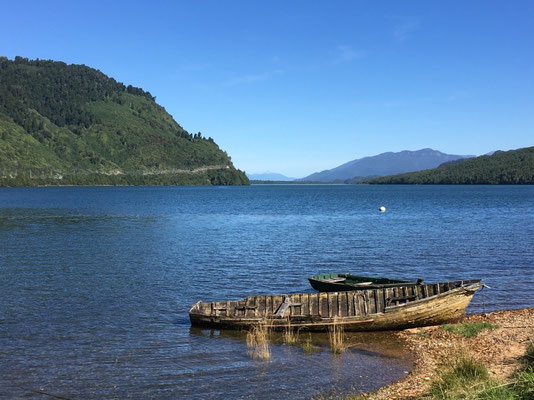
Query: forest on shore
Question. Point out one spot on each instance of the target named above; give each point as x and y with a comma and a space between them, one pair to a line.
72, 125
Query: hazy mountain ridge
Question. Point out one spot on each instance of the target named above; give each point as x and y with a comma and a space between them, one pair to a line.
388, 163
269, 176
500, 168
71, 124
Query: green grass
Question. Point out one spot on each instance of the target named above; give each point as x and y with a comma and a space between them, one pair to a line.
466, 378
528, 358
468, 329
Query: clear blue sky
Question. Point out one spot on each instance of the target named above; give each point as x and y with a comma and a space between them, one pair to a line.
301, 86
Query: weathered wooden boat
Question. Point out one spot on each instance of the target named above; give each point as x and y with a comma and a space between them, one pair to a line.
340, 282
397, 307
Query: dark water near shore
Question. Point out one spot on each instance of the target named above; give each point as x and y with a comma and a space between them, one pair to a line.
95, 283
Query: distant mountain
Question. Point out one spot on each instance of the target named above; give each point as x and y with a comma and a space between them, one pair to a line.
385, 164
72, 125
500, 168
269, 176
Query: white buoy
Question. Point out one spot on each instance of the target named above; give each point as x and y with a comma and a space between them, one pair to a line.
382, 209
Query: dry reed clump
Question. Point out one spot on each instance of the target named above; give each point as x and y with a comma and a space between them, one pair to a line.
308, 347
337, 338
258, 341
290, 336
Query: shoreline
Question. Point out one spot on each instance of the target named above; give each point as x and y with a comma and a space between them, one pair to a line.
499, 350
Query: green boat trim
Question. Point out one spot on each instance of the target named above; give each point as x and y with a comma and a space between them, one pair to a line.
334, 282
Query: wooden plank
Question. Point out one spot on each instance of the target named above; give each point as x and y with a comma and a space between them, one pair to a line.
380, 304
396, 295
372, 301
332, 305
368, 301
305, 300
323, 305
251, 306
295, 304
260, 310
268, 306
350, 303
418, 292
410, 291
342, 304
365, 300
314, 303
284, 305
277, 300
389, 294
358, 303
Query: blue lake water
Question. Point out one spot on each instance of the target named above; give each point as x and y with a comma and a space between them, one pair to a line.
96, 282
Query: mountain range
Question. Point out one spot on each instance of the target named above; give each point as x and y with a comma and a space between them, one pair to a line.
389, 163
513, 167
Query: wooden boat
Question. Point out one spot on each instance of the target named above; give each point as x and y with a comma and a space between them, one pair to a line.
340, 282
397, 307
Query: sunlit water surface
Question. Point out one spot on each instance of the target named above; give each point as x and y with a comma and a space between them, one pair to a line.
96, 283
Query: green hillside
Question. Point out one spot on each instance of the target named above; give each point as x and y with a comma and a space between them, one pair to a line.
501, 168
72, 125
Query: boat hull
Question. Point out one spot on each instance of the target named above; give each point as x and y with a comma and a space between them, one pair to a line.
365, 310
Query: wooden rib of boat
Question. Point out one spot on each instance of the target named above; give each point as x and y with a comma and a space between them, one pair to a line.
335, 282
397, 307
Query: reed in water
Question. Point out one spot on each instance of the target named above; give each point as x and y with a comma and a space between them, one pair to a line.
337, 338
258, 341
290, 335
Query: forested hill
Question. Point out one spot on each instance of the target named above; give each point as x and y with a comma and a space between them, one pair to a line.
505, 168
72, 125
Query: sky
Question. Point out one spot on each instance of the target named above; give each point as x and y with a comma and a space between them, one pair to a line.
296, 86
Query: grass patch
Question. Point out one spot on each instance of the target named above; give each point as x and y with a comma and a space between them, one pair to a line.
524, 384
466, 378
258, 342
423, 334
468, 329
528, 358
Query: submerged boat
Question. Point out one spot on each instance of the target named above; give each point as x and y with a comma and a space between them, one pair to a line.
340, 282
398, 307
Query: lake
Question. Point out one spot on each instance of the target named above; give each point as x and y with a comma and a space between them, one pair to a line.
96, 282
